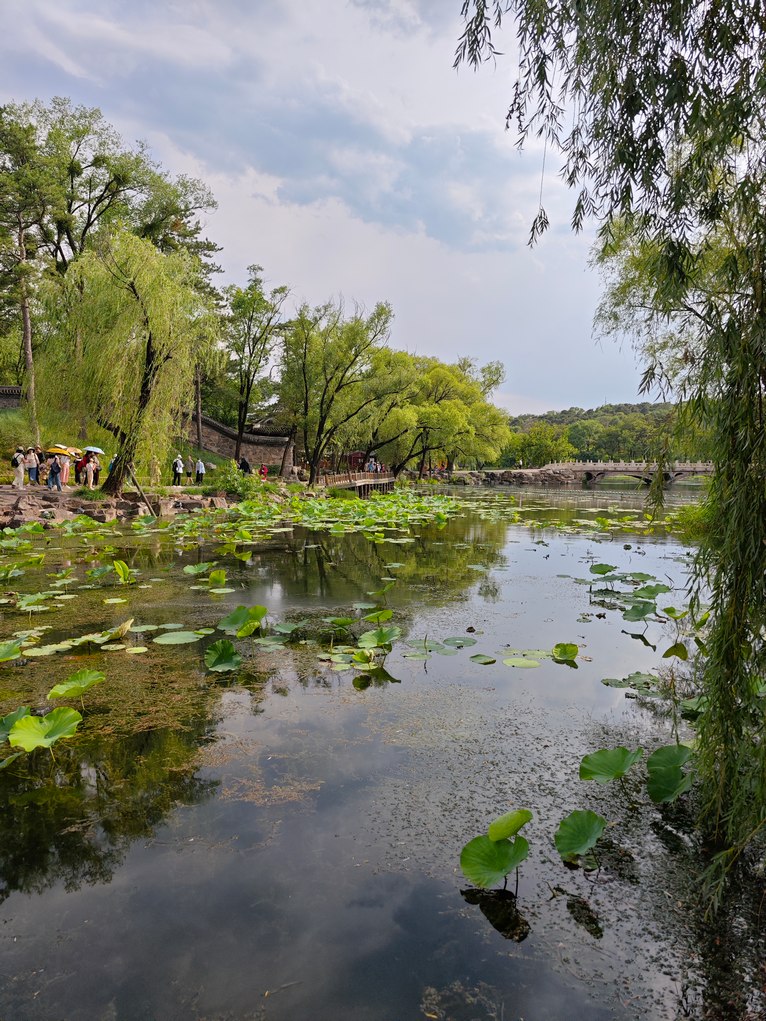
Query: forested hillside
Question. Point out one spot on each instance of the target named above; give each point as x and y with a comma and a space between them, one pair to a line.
611, 432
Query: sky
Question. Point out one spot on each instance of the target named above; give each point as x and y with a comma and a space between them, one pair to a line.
350, 160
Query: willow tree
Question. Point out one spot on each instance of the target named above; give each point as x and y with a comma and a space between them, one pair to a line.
330, 375
142, 324
657, 110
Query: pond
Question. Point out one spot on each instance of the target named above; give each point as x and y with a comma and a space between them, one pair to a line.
282, 839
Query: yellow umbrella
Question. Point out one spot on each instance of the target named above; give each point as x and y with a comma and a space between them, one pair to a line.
58, 450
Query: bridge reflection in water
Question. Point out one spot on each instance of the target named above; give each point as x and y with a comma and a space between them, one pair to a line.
594, 471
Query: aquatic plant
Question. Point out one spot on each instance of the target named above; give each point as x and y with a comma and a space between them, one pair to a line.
489, 859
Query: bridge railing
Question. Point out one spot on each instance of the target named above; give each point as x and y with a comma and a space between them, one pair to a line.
702, 466
348, 478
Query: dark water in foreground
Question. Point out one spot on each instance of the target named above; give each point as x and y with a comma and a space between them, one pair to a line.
282, 845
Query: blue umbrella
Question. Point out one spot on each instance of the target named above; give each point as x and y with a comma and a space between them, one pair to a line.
93, 450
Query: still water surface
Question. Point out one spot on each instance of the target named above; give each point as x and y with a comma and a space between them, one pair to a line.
282, 845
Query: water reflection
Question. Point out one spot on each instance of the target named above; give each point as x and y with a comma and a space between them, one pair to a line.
71, 820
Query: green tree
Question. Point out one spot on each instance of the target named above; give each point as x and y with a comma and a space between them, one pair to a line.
27, 194
328, 372
141, 323
658, 110
253, 324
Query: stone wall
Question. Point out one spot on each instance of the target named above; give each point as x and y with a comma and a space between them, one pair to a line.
10, 396
258, 448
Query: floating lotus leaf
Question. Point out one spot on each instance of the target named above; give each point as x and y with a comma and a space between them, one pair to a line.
485, 862
521, 662
460, 643
608, 764
176, 638
602, 569
483, 660
32, 732
565, 651
134, 650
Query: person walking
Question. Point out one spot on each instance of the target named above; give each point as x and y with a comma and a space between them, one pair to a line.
263, 472
178, 467
244, 466
200, 471
89, 471
18, 464
79, 470
32, 465
65, 461
189, 469
96, 469
54, 473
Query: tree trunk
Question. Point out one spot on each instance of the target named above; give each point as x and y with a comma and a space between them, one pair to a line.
26, 336
198, 405
286, 452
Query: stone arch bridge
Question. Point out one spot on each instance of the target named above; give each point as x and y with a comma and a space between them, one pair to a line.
595, 471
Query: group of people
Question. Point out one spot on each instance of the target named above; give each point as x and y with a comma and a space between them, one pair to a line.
36, 467
246, 468
374, 466
191, 467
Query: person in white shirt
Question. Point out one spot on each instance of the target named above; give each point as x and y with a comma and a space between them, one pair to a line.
200, 471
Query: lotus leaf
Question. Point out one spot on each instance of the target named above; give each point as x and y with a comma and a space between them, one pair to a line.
382, 637
460, 643
221, 656
126, 575
483, 660
32, 732
199, 568
217, 579
176, 638
521, 662
242, 615
7, 722
670, 755
76, 685
639, 611
379, 616
565, 651
608, 764
578, 833
602, 569
485, 862
9, 650
678, 649
508, 825
667, 783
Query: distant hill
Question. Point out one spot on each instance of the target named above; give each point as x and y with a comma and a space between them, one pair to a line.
612, 432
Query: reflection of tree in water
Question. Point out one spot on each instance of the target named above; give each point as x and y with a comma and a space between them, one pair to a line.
72, 820
342, 567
